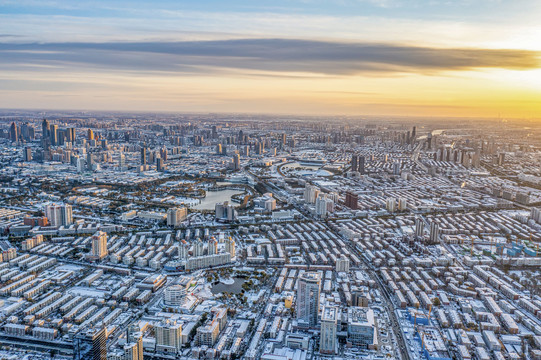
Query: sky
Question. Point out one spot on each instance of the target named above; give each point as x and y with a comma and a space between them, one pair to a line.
435, 58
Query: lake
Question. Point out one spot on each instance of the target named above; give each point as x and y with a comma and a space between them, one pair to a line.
214, 197
234, 288
296, 165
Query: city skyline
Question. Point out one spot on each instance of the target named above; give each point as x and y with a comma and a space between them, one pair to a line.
126, 236
396, 58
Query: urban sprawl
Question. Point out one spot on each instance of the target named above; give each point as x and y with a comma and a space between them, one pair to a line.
210, 236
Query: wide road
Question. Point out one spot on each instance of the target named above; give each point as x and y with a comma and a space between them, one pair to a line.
368, 268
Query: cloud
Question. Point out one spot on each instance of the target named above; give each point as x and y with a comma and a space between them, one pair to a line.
265, 55
180, 25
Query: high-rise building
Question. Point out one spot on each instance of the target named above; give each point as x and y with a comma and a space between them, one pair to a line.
360, 164
310, 193
14, 132
236, 162
91, 345
308, 289
476, 158
245, 150
240, 137
143, 155
396, 168
67, 156
133, 350
59, 215
359, 297
70, 135
99, 245
163, 153
175, 216
259, 148
27, 154
342, 264
391, 205
208, 334
413, 135
81, 164
352, 200
61, 137
230, 246
434, 232
151, 156
220, 210
198, 248
168, 336
361, 326
90, 161
357, 163
121, 161
321, 206
225, 211
53, 133
292, 142
45, 137
354, 162
324, 205
402, 204
90, 134
160, 164
329, 322
501, 159
183, 248
463, 157
212, 246
26, 132
231, 212
419, 227
535, 215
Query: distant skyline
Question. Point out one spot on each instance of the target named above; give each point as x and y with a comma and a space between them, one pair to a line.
353, 57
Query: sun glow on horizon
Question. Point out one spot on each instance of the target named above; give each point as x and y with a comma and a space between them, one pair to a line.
344, 58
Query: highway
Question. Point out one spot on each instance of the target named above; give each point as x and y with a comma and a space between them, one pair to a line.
389, 306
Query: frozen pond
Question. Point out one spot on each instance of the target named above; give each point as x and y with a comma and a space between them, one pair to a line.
296, 165
214, 197
234, 288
